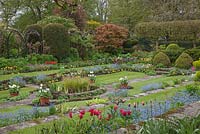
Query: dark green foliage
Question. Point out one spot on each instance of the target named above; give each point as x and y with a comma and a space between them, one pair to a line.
52, 109
173, 51
161, 58
194, 53
34, 33
40, 59
184, 61
56, 37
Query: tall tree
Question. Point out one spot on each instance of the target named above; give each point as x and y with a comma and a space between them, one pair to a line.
8, 11
169, 10
127, 12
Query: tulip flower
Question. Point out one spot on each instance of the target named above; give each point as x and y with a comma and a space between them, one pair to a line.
70, 114
80, 116
143, 103
82, 112
129, 112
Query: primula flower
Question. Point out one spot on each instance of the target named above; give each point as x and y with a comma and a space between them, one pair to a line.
70, 114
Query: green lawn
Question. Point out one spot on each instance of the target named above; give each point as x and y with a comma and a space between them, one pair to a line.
110, 78
163, 95
138, 85
9, 76
5, 93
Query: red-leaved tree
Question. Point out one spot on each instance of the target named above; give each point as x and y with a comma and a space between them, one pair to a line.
110, 37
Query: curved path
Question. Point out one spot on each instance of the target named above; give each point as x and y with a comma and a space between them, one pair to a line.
26, 101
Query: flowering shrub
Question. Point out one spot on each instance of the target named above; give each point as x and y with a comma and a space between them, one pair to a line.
14, 88
44, 92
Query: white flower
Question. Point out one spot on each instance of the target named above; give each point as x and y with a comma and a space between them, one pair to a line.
121, 79
47, 89
91, 72
125, 77
41, 85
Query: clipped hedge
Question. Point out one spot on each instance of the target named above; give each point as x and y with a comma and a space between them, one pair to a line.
175, 30
184, 61
161, 58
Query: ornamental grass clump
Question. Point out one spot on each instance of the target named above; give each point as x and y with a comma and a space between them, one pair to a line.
76, 85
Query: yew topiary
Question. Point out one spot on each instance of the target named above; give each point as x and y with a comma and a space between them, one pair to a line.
161, 58
184, 61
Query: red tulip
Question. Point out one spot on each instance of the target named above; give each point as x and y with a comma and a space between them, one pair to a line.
80, 116
121, 110
82, 112
91, 111
129, 112
124, 113
97, 112
115, 107
70, 114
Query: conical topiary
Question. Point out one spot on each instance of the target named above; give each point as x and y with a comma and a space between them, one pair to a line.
161, 58
184, 61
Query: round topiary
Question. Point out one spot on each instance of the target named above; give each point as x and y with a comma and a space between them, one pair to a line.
161, 58
184, 61
173, 51
172, 47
